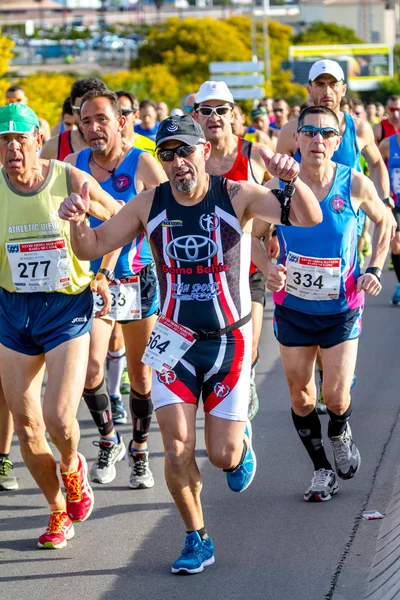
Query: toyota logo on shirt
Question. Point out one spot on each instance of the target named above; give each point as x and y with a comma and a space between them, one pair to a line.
191, 248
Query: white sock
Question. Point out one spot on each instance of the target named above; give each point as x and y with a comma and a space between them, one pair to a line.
116, 363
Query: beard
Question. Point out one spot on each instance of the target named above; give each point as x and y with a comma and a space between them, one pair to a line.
188, 184
99, 145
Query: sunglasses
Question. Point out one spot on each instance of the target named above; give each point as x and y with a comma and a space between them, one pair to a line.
393, 109
14, 100
207, 111
127, 111
77, 108
278, 109
181, 151
311, 131
188, 109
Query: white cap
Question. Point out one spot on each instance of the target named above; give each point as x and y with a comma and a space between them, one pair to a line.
176, 112
331, 67
214, 90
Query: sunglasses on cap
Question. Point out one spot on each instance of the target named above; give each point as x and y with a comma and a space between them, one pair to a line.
311, 131
77, 108
181, 151
207, 111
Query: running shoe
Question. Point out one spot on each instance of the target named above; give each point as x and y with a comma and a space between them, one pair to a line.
367, 248
196, 555
7, 480
320, 406
396, 295
141, 477
240, 479
347, 456
79, 494
59, 530
118, 412
125, 383
254, 403
103, 470
323, 486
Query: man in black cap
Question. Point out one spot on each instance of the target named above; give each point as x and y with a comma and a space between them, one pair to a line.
199, 229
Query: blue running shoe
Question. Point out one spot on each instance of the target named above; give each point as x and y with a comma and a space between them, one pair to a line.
118, 412
353, 383
196, 555
396, 295
240, 479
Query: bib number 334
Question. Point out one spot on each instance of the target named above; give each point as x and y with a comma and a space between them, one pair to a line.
312, 278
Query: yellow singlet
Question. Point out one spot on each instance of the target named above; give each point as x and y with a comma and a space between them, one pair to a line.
35, 247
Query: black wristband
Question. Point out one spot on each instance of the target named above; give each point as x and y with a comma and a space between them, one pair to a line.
375, 271
274, 233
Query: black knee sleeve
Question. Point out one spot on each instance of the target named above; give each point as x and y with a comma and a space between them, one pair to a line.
98, 402
141, 408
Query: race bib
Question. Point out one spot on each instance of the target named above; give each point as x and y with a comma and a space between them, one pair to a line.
39, 266
396, 180
168, 342
126, 301
312, 278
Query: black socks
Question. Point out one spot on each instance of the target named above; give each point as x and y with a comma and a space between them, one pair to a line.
309, 430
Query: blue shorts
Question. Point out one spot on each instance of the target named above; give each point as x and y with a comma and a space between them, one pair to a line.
294, 328
37, 323
148, 293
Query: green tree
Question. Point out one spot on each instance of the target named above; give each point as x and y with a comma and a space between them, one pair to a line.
5, 56
387, 88
326, 33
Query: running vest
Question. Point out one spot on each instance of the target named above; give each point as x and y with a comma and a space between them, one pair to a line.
348, 152
387, 129
144, 143
394, 168
122, 186
335, 238
33, 217
202, 257
242, 171
64, 145
149, 133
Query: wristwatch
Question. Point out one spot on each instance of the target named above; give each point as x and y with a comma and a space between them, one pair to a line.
389, 202
110, 275
375, 271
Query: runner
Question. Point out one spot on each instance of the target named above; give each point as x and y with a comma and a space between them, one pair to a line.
390, 150
327, 88
281, 111
45, 315
389, 125
122, 171
319, 297
237, 160
148, 125
130, 110
15, 94
199, 231
60, 146
67, 121
239, 129
8, 481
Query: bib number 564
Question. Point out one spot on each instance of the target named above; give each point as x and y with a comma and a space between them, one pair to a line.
154, 343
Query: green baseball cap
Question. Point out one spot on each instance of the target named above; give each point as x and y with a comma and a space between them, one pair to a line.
17, 118
258, 112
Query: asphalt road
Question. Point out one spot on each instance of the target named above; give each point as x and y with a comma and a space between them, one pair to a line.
270, 544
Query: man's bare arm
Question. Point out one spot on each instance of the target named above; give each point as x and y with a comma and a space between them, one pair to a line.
149, 173
377, 169
50, 149
259, 254
286, 143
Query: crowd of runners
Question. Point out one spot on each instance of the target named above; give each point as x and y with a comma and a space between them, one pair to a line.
137, 244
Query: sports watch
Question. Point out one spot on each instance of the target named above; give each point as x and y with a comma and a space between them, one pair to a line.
375, 271
110, 275
389, 202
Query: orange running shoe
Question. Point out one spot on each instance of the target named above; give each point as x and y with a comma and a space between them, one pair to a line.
59, 530
79, 494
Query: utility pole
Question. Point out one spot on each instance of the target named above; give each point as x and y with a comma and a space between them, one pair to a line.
264, 19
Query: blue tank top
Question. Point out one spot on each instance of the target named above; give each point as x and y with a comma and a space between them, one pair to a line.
394, 168
334, 238
348, 152
121, 186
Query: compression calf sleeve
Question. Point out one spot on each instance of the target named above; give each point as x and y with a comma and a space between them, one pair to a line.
309, 430
141, 408
98, 402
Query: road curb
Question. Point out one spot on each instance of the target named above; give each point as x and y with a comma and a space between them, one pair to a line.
384, 578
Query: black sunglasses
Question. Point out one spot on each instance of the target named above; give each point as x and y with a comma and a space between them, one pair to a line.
181, 151
127, 111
